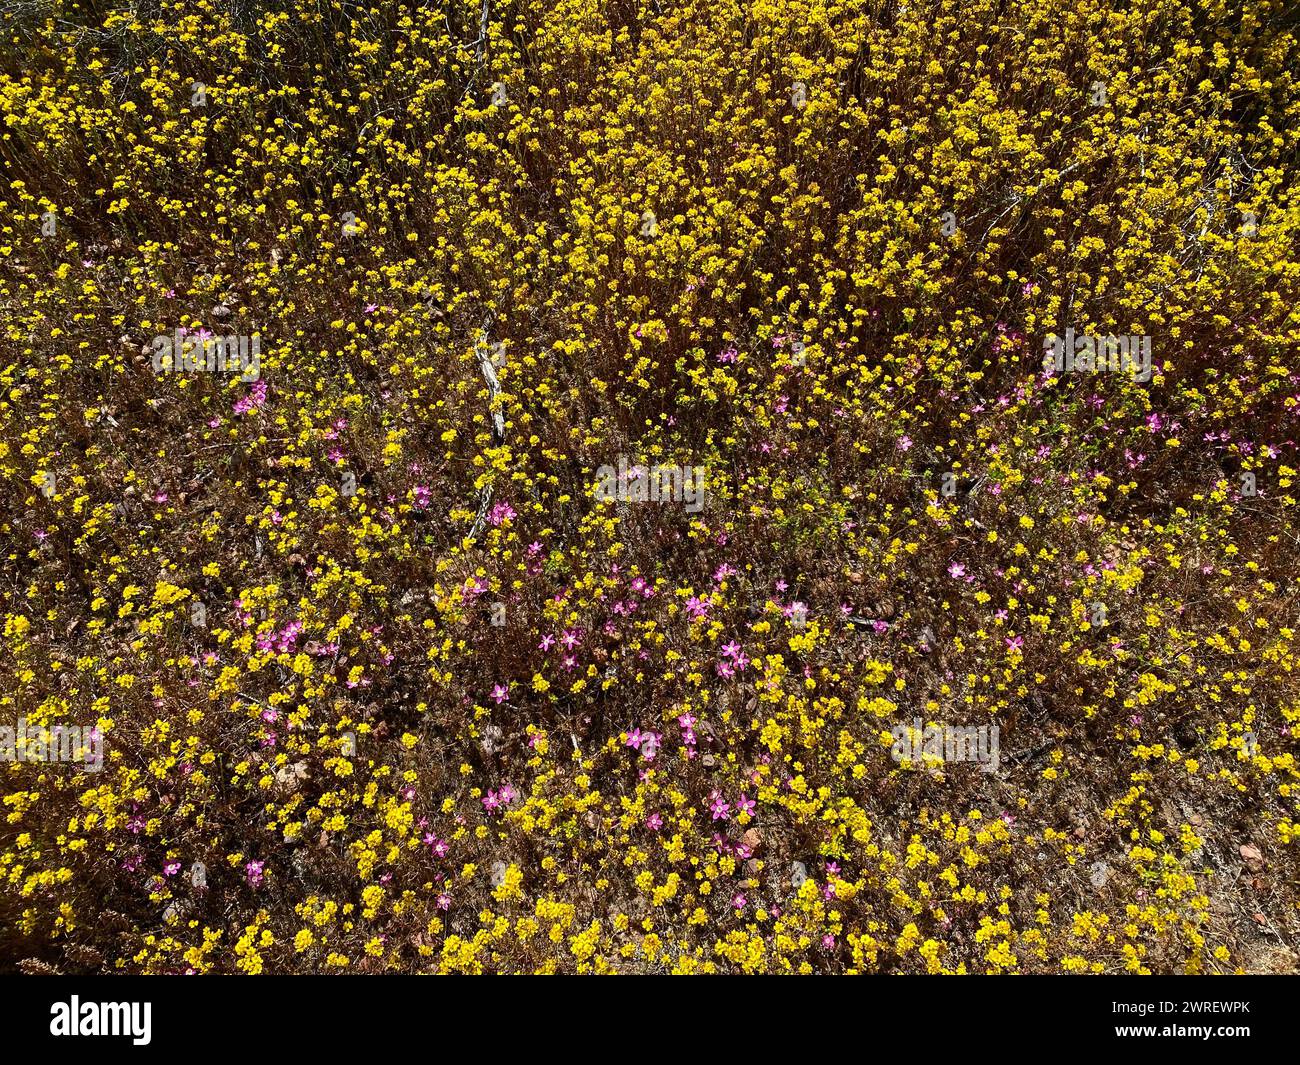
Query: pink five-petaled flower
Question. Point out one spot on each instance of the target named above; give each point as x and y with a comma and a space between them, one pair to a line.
501, 693
253, 872
746, 806
697, 608
255, 398
547, 643
738, 901
957, 569
502, 512
654, 822
719, 807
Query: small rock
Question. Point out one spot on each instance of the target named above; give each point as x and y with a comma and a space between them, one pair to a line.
288, 775
492, 739
798, 874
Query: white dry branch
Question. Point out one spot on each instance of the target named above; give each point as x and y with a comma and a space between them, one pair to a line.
482, 350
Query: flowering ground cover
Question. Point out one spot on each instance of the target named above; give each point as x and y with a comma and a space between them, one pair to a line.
649, 486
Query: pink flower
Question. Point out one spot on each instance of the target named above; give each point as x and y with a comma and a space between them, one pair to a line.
719, 807
257, 394
746, 806
654, 822
253, 872
738, 901
957, 569
697, 608
502, 512
501, 693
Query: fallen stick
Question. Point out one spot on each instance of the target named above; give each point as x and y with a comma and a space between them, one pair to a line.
481, 349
